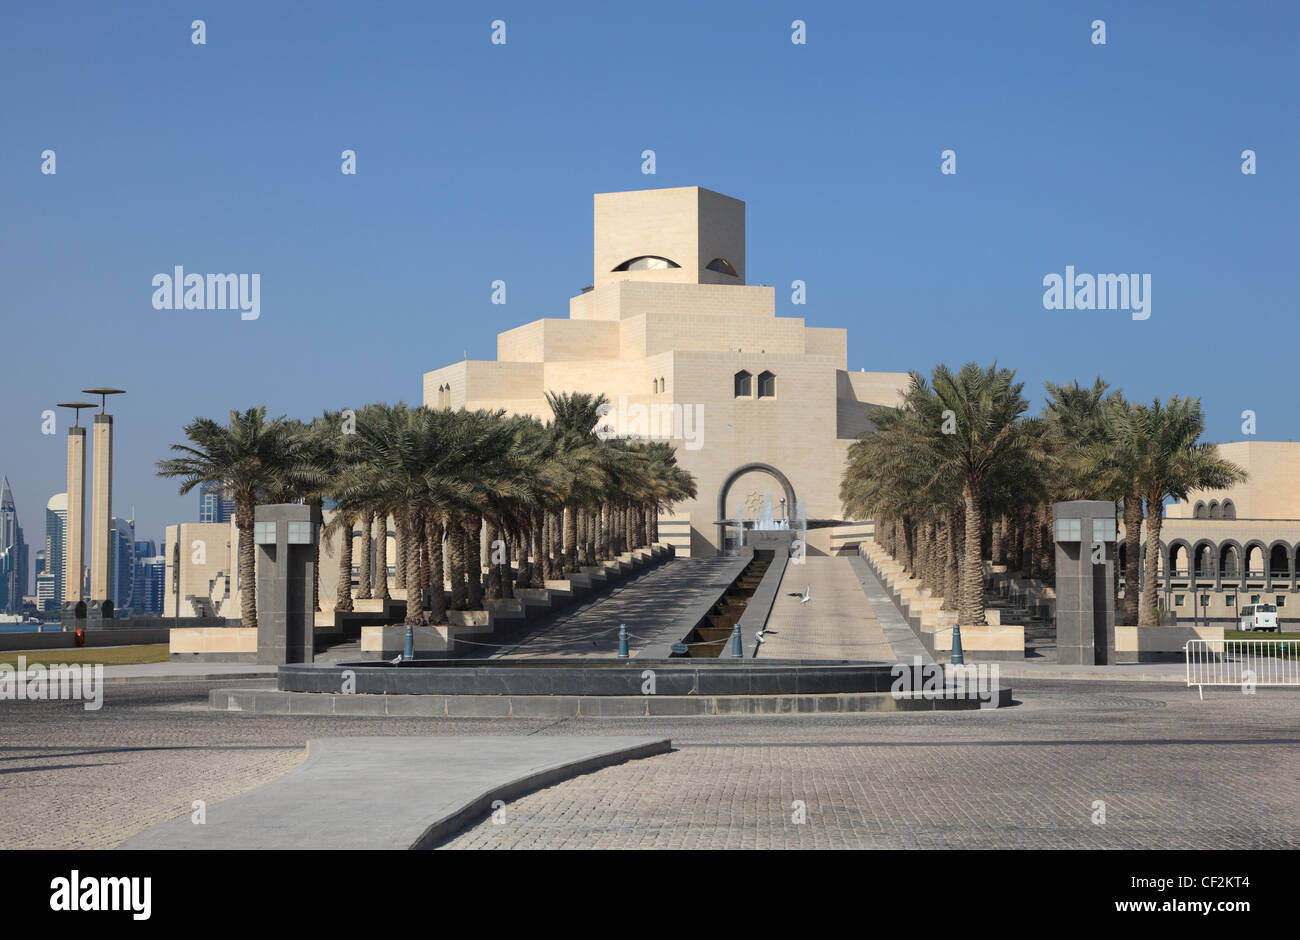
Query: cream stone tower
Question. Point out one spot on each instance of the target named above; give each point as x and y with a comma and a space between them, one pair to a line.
761, 408
74, 545
101, 505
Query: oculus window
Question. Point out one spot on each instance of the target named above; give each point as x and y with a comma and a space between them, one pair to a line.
647, 263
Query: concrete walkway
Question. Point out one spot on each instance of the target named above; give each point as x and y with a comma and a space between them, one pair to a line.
838, 622
391, 792
658, 608
897, 631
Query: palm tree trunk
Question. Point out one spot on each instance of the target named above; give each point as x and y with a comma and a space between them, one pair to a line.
507, 570
247, 561
1149, 609
1027, 557
474, 562
971, 604
1045, 546
456, 563
571, 538
495, 559
997, 550
415, 615
543, 535
524, 576
537, 536
418, 532
909, 543
950, 579
1132, 557
399, 539
602, 532
381, 558
437, 577
343, 600
367, 527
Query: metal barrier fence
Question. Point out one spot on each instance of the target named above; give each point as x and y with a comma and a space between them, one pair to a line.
1244, 663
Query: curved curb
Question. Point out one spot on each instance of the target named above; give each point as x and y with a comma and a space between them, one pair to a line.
380, 792
454, 822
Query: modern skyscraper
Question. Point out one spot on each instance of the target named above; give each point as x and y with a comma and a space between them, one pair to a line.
213, 505
13, 554
56, 533
121, 563
151, 571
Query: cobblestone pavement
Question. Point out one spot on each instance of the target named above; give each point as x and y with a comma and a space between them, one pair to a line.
1173, 771
836, 623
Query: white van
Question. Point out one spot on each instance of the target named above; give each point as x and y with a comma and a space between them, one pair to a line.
1259, 617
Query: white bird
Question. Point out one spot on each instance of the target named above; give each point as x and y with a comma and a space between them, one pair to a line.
807, 594
759, 636
397, 661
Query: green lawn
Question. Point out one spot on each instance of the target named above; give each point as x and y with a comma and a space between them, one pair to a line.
1287, 650
109, 656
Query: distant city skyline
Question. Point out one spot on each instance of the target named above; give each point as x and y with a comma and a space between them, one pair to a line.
1124, 157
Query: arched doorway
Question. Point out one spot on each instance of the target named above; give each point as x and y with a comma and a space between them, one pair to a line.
732, 477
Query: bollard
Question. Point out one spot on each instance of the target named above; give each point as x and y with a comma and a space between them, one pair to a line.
957, 659
409, 652
736, 651
622, 641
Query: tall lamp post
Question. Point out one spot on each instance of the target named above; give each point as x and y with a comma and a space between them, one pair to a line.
74, 540
101, 508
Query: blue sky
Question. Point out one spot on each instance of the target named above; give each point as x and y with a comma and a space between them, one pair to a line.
477, 162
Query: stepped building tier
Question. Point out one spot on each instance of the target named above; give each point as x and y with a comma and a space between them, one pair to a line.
761, 408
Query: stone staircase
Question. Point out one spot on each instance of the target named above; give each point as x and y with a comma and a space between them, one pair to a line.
1027, 603
479, 632
923, 610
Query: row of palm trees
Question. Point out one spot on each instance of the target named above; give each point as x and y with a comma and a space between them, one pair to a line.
960, 472
549, 498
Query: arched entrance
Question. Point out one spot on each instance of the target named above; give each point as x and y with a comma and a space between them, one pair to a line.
735, 475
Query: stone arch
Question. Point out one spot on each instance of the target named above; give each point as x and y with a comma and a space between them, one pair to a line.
1204, 556
735, 475
1216, 511
1255, 558
1229, 509
1230, 559
1173, 556
1279, 552
1199, 511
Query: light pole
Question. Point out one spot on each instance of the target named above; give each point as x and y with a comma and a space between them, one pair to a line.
74, 532
101, 507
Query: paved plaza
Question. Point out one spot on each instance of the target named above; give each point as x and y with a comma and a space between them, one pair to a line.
1173, 771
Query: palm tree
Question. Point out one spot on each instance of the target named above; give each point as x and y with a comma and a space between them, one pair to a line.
1172, 464
973, 423
574, 422
253, 459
